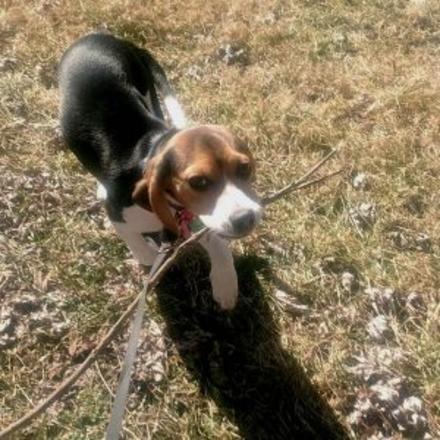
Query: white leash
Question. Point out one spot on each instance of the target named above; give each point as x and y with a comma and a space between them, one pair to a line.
120, 401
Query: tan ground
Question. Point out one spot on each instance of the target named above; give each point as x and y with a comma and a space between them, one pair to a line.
357, 322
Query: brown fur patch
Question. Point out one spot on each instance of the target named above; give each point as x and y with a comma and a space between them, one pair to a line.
207, 151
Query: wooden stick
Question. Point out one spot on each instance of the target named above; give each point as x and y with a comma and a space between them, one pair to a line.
294, 185
67, 384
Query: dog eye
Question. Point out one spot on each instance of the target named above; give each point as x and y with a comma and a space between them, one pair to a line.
243, 170
199, 183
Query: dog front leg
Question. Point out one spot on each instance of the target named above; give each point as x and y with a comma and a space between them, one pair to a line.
143, 251
223, 275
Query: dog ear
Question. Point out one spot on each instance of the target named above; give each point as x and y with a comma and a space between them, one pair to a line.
150, 191
140, 193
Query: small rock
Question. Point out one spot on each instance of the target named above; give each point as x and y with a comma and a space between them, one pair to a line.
423, 242
59, 329
399, 239
368, 212
360, 181
386, 392
378, 328
383, 300
413, 404
411, 241
233, 53
349, 282
364, 215
195, 72
410, 415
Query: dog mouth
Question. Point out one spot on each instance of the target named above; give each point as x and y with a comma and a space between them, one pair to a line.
232, 236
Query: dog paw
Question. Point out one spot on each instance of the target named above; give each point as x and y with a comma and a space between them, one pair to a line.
224, 289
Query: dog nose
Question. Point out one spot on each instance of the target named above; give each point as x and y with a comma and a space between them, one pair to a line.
243, 221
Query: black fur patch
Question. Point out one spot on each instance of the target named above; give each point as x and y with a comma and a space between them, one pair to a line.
110, 112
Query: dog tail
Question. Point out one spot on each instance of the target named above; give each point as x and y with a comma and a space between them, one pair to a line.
173, 107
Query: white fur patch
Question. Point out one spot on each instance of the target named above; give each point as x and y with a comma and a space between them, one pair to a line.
231, 200
101, 192
138, 221
223, 275
175, 111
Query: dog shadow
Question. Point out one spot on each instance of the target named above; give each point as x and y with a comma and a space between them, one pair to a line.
237, 357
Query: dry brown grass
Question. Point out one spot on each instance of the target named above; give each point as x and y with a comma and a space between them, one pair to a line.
362, 76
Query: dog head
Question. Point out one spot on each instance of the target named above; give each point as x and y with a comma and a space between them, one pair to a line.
209, 172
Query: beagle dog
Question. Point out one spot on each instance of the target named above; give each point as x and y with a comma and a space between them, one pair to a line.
148, 171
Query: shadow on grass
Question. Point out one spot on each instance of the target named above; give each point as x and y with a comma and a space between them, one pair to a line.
237, 357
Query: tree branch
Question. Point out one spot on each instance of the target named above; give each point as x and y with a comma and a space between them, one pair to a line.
295, 185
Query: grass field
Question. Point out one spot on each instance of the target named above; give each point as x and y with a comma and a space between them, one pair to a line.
337, 328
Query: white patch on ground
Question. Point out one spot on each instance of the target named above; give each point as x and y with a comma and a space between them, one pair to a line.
360, 181
379, 328
409, 240
151, 360
349, 282
382, 300
363, 215
383, 396
194, 72
232, 53
27, 316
